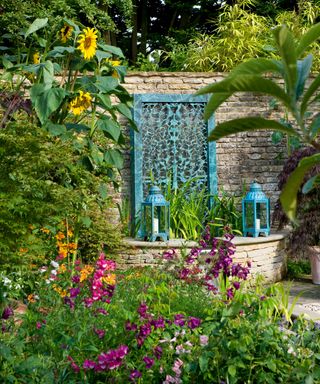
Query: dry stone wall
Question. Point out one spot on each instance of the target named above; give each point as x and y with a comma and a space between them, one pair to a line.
241, 158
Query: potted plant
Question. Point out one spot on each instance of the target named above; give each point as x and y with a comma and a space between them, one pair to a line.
304, 239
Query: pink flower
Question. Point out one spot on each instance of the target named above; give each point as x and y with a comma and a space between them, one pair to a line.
204, 340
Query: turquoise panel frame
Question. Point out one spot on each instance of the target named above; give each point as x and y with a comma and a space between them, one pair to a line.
137, 150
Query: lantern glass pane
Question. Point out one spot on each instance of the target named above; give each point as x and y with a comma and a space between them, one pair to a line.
163, 219
147, 218
156, 219
249, 214
262, 214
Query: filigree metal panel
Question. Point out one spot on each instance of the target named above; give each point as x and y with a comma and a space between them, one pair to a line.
172, 141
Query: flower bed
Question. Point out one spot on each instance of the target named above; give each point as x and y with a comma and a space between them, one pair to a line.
195, 321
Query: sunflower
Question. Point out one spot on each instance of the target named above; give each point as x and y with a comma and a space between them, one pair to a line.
80, 103
88, 42
36, 58
65, 33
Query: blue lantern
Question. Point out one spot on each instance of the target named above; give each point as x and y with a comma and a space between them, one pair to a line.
256, 212
155, 216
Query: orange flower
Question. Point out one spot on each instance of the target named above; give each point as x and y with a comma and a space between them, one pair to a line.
60, 236
31, 298
45, 230
62, 268
85, 272
109, 279
23, 250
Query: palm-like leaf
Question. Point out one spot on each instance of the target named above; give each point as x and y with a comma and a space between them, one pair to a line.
248, 124
289, 193
312, 35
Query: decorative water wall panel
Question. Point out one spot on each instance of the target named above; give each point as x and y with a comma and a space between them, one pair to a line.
171, 144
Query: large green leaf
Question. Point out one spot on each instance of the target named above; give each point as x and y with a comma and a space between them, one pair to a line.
214, 102
288, 196
110, 127
249, 83
46, 102
287, 49
48, 72
110, 48
102, 55
124, 110
106, 84
258, 66
313, 88
304, 67
36, 25
248, 124
308, 38
114, 158
315, 127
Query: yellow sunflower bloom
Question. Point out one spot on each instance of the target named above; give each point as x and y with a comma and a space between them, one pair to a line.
80, 103
36, 58
65, 33
88, 42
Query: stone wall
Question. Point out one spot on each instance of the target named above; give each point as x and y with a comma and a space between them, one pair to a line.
267, 255
241, 158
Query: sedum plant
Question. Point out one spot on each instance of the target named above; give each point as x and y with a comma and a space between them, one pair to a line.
296, 95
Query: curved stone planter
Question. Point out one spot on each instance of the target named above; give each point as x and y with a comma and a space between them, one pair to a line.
267, 254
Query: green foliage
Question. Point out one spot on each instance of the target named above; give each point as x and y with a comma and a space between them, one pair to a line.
16, 14
243, 340
191, 208
298, 268
298, 101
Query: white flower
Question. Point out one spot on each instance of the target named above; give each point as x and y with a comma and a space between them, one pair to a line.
43, 269
54, 264
54, 272
6, 281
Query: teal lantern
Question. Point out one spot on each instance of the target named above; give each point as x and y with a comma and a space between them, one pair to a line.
155, 221
256, 212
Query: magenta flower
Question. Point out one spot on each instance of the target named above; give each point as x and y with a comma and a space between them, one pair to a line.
89, 364
7, 312
193, 322
158, 323
131, 326
148, 361
230, 293
99, 332
142, 310
157, 352
76, 279
179, 319
74, 292
236, 285
135, 374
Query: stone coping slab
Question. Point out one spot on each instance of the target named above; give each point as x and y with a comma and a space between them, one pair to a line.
181, 243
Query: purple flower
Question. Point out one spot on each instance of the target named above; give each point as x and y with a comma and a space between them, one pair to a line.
193, 322
68, 301
130, 326
236, 285
145, 330
74, 292
99, 332
39, 325
142, 310
158, 323
148, 361
157, 352
89, 364
102, 311
230, 293
169, 254
135, 374
76, 279
179, 319
7, 312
